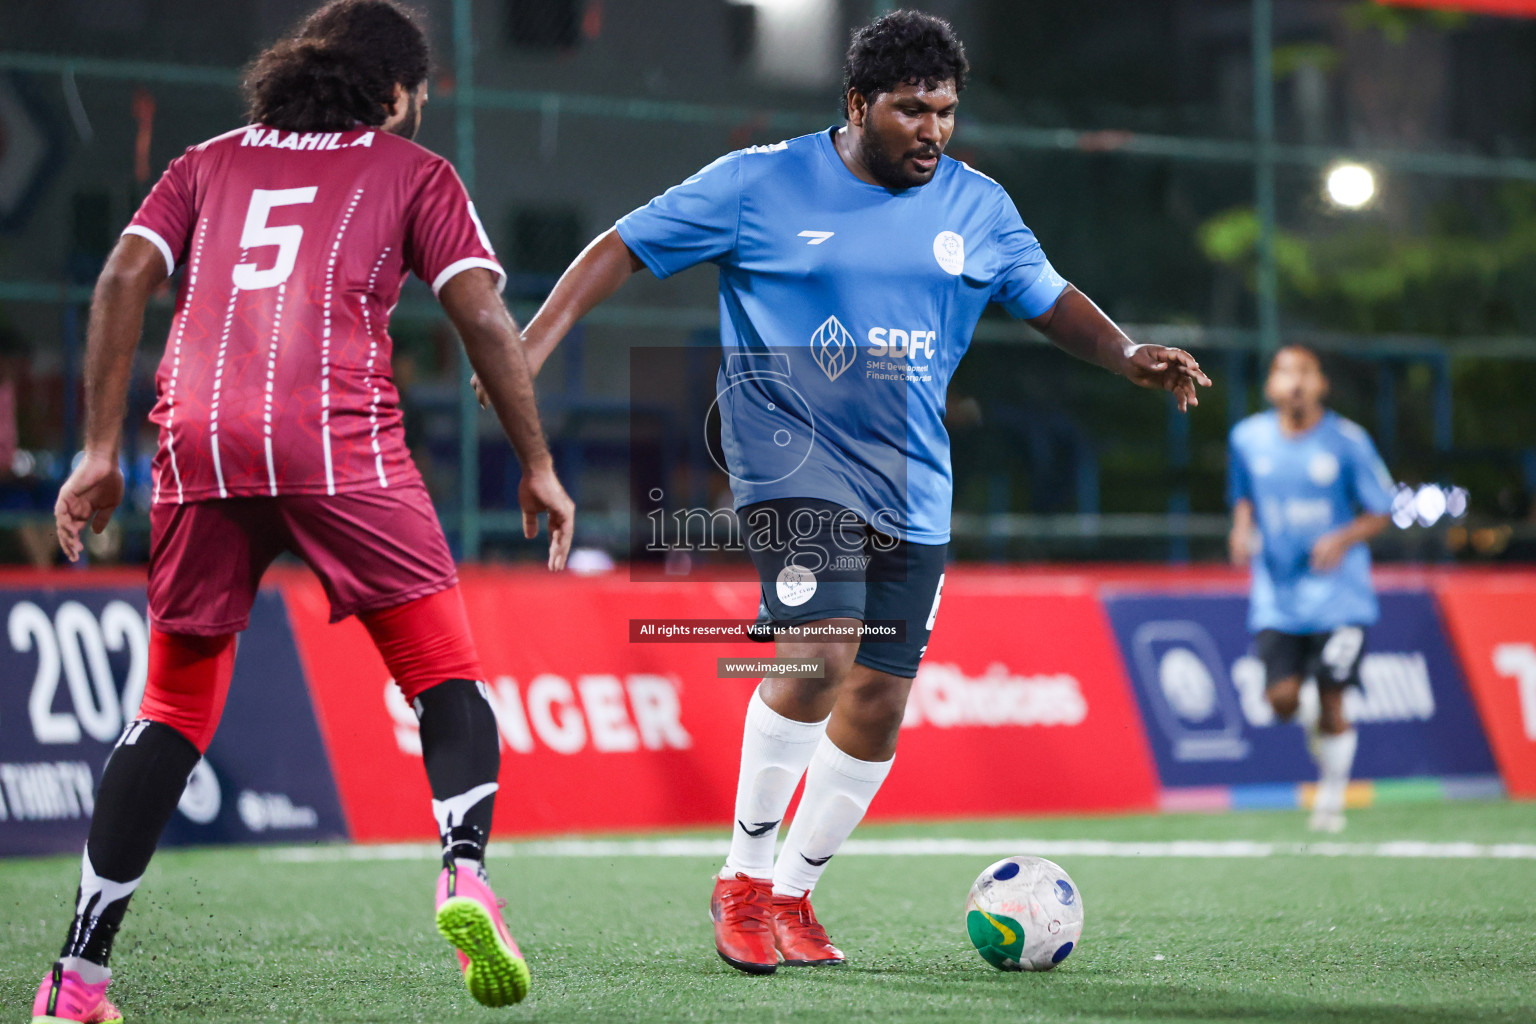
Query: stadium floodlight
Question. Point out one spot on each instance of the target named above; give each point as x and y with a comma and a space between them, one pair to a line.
1429, 505
795, 41
1456, 501
1403, 515
1350, 185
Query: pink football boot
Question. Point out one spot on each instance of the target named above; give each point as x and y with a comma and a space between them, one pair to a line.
469, 917
63, 997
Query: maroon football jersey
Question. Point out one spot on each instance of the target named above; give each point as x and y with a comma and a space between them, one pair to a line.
276, 375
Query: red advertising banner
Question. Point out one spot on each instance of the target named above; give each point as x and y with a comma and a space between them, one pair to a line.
1492, 620
597, 733
1022, 706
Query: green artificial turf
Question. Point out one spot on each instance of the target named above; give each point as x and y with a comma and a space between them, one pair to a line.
233, 935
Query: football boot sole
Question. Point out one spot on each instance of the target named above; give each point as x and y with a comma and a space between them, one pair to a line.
495, 976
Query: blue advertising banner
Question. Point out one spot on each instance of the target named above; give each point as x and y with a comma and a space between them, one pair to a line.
1201, 693
73, 676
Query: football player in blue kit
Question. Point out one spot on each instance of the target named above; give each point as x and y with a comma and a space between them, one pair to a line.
1308, 491
854, 264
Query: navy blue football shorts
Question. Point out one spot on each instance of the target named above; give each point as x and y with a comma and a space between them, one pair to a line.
1332, 659
819, 560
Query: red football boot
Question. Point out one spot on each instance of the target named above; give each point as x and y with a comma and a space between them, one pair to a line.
743, 936
800, 938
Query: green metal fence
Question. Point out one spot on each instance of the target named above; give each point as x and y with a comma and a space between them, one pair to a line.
1262, 152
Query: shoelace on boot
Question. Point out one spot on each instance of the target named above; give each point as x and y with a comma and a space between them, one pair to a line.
748, 908
807, 919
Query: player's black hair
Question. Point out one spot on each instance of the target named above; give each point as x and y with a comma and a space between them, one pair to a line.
1306, 350
903, 47
339, 69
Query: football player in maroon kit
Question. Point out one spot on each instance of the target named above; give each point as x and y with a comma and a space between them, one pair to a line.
280, 430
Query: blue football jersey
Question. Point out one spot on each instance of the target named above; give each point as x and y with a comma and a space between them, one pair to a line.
1301, 488
844, 310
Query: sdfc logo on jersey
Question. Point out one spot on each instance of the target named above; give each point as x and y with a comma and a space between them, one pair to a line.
893, 341
833, 348
949, 250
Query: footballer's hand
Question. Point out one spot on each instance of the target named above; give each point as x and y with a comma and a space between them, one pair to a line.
1167, 369
90, 495
481, 395
540, 491
1240, 547
1330, 550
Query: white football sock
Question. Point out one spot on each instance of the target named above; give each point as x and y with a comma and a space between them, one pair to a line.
838, 790
1308, 711
470, 866
1335, 758
90, 973
774, 753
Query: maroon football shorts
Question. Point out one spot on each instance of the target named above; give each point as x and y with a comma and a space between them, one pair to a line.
371, 549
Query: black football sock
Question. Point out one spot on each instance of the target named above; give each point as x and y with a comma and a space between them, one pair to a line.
140, 787
462, 752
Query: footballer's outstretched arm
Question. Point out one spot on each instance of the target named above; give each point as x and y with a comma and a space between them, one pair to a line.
1078, 327
1240, 546
496, 352
604, 265
132, 273
1331, 547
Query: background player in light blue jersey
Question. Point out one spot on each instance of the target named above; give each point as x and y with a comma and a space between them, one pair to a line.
1308, 491
854, 265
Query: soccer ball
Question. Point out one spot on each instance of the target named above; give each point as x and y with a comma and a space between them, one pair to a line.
1024, 914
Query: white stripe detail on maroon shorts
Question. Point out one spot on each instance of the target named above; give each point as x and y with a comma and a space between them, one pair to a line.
325, 344
368, 378
170, 391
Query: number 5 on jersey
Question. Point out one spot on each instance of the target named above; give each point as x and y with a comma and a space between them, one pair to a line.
258, 233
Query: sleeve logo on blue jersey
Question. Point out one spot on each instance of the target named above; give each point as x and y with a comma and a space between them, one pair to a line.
833, 348
949, 250
1323, 469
